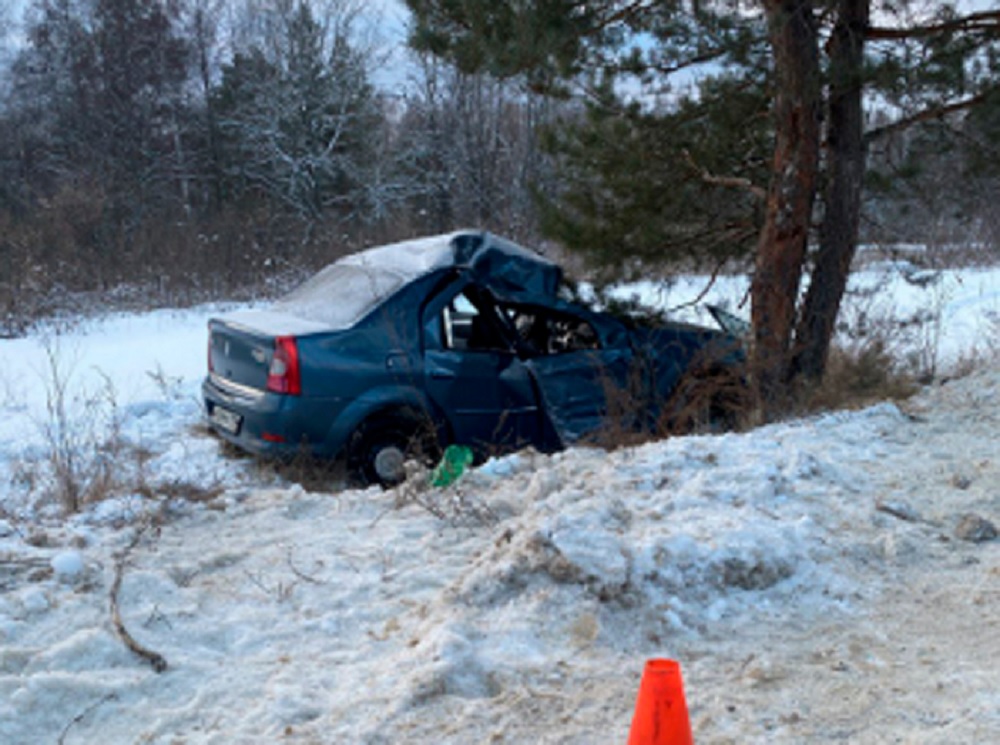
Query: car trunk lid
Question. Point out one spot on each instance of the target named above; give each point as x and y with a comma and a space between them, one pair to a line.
239, 356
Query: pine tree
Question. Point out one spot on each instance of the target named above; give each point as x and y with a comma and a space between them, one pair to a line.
632, 174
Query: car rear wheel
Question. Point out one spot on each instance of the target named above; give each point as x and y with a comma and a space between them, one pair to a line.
380, 448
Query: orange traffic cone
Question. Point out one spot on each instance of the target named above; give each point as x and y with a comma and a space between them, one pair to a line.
661, 715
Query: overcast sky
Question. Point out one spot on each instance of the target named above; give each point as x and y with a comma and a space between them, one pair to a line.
389, 19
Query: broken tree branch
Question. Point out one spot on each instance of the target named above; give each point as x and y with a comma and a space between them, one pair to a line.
153, 658
704, 292
83, 714
936, 112
985, 21
735, 182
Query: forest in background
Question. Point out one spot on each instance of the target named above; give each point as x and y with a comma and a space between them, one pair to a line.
174, 150
170, 151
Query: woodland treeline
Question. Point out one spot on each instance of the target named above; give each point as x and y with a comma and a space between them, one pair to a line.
175, 149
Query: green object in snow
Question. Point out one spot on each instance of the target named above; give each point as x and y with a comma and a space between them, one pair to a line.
453, 464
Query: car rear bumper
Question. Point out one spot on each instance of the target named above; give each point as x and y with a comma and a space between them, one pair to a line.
263, 423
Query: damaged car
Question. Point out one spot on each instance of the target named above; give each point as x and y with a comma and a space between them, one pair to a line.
465, 338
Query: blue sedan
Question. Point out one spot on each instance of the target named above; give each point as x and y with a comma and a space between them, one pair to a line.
466, 338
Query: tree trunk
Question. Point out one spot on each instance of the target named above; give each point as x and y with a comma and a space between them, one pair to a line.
845, 155
782, 246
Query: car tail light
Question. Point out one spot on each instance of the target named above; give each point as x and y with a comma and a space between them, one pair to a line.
210, 367
283, 375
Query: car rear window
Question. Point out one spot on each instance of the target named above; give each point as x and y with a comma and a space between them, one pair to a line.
341, 294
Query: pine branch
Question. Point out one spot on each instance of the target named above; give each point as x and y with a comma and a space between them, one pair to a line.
935, 112
617, 15
988, 21
704, 292
694, 61
736, 182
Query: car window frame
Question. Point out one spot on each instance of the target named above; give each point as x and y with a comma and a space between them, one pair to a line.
483, 301
528, 349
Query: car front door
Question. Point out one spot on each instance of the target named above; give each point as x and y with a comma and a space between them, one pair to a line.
474, 375
585, 379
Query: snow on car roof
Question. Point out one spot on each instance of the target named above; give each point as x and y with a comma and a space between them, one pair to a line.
409, 259
342, 293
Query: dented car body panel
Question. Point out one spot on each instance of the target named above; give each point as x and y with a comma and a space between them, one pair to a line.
464, 334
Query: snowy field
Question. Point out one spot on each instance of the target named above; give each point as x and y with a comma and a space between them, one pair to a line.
820, 580
930, 320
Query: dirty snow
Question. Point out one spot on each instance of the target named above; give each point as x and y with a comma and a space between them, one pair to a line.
807, 575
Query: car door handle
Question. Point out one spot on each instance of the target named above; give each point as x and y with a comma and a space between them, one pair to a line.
395, 361
438, 373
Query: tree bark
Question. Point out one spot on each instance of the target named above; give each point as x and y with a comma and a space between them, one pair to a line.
784, 237
845, 167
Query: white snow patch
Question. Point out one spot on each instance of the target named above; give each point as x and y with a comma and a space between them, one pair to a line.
68, 566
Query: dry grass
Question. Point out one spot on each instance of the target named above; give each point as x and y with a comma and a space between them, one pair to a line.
452, 504
180, 489
858, 377
81, 431
312, 473
86, 456
713, 398
710, 397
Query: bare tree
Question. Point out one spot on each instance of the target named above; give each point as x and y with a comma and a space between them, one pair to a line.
470, 146
297, 110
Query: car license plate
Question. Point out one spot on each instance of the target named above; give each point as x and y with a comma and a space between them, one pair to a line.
226, 420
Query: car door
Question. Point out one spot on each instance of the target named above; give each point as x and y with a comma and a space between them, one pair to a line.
584, 377
474, 375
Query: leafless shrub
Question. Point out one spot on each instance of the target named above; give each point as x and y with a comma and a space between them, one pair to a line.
311, 472
859, 376
871, 329
169, 386
86, 456
451, 504
625, 410
710, 396
978, 248
65, 436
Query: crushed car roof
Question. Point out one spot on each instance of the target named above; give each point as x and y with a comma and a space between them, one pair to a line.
342, 293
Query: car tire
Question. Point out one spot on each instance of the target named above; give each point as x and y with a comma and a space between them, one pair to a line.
380, 447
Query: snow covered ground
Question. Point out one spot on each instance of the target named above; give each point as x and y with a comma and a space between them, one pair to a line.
817, 579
